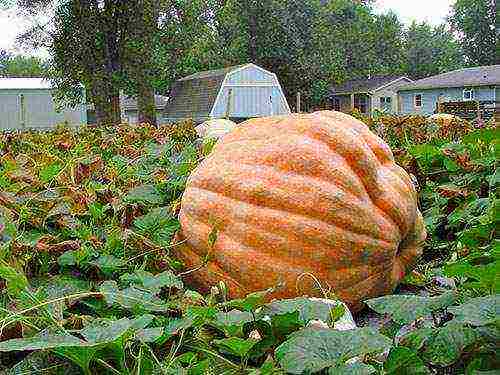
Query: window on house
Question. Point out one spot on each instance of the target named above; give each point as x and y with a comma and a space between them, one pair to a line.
336, 104
385, 103
468, 94
361, 103
418, 100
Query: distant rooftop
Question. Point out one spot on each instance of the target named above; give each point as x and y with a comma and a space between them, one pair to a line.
24, 83
478, 76
364, 85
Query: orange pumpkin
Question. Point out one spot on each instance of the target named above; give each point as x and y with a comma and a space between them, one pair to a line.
287, 196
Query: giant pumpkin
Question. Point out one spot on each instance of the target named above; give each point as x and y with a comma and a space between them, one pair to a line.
288, 197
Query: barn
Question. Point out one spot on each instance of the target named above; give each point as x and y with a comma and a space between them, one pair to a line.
237, 92
27, 103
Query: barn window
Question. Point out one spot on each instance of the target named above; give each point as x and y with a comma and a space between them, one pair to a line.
468, 94
418, 100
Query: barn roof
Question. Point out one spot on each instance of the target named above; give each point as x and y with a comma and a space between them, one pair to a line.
24, 83
477, 76
194, 96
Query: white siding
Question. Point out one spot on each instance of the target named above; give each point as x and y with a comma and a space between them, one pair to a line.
254, 93
39, 112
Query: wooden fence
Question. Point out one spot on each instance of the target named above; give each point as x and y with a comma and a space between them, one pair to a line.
471, 109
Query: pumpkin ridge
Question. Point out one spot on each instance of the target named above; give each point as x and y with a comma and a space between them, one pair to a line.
288, 254
321, 274
302, 215
378, 271
338, 182
388, 218
374, 193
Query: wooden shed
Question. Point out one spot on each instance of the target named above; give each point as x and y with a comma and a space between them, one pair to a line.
237, 92
27, 103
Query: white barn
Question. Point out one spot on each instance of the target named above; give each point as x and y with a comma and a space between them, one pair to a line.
237, 92
27, 103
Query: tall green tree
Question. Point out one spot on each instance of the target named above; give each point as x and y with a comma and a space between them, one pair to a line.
140, 35
474, 21
431, 50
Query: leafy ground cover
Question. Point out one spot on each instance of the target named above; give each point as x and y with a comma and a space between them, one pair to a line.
87, 218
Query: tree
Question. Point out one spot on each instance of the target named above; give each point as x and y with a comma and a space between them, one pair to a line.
388, 43
474, 22
21, 66
142, 20
431, 50
104, 45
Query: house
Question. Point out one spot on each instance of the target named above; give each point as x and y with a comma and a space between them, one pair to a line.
27, 103
237, 92
365, 95
130, 112
479, 84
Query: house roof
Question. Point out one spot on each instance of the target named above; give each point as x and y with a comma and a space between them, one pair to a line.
477, 76
24, 83
130, 103
194, 96
367, 85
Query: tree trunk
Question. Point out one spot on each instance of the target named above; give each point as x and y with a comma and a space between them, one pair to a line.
146, 105
144, 31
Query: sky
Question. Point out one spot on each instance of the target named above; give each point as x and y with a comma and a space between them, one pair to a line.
433, 11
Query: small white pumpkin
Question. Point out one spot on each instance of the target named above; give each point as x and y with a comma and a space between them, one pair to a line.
215, 129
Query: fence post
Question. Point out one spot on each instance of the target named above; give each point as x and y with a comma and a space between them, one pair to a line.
298, 102
478, 110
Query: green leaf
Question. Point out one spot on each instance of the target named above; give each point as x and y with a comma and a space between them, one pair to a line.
132, 298
42, 362
446, 345
251, 302
405, 309
60, 286
159, 225
478, 311
101, 331
50, 171
236, 346
337, 312
232, 322
68, 258
16, 281
314, 349
80, 355
404, 361
308, 309
284, 324
149, 334
40, 342
352, 369
416, 339
153, 283
145, 195
108, 263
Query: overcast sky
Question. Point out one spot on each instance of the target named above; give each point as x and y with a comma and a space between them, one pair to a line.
433, 11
